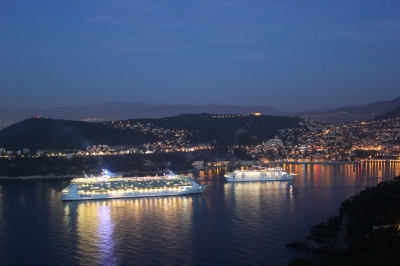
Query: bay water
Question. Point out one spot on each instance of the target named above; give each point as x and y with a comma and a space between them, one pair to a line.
229, 224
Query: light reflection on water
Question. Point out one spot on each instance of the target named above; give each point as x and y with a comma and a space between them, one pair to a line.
105, 243
253, 195
230, 223
139, 226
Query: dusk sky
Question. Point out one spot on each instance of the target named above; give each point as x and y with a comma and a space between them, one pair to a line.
290, 55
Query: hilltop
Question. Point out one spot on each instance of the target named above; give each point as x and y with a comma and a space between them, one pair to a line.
106, 111
224, 130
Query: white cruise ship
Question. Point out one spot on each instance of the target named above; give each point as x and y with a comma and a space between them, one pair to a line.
259, 174
110, 186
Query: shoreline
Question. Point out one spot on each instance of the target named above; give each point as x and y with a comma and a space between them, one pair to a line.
244, 163
333, 162
69, 177
36, 177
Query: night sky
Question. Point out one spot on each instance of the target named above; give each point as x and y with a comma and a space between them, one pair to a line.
290, 55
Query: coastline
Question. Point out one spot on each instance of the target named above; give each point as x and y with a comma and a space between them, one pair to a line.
51, 176
230, 164
332, 162
250, 162
69, 177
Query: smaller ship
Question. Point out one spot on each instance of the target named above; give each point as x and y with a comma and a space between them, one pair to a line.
111, 186
257, 173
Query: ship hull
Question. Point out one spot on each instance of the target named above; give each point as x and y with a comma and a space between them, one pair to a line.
267, 174
73, 194
257, 179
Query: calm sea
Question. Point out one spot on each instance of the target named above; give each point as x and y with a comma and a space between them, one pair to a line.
229, 224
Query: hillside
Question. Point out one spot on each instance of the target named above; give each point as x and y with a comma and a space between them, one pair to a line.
224, 130
46, 133
41, 133
389, 115
350, 114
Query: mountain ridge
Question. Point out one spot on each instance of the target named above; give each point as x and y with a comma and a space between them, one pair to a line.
350, 114
392, 114
115, 110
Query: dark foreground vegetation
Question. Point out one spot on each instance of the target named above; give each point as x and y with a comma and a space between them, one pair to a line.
366, 231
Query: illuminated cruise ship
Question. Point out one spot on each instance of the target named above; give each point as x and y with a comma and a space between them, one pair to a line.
110, 186
259, 174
